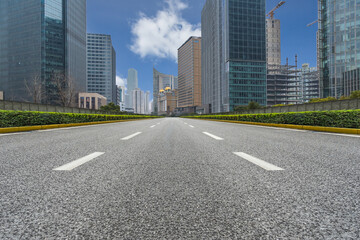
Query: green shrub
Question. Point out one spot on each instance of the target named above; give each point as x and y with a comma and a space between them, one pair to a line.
355, 95
22, 118
341, 119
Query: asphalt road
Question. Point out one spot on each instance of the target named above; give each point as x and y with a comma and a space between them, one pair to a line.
179, 179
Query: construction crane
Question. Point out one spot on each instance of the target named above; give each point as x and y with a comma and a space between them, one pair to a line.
272, 12
310, 24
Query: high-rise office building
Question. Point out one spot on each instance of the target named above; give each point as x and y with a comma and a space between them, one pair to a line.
339, 44
132, 80
40, 41
273, 42
138, 101
120, 94
189, 73
233, 53
147, 103
160, 82
101, 66
132, 84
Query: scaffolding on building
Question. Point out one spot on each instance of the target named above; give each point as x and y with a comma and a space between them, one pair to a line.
283, 84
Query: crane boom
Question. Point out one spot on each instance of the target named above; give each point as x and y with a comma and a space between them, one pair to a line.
310, 24
272, 12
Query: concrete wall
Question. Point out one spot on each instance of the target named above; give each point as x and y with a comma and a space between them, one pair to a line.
323, 106
21, 106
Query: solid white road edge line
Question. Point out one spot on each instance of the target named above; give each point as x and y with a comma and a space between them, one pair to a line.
265, 165
79, 162
213, 136
131, 136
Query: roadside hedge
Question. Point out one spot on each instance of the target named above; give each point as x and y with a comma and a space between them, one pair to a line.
340, 119
24, 118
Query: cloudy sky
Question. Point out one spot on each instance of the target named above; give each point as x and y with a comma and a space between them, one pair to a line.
147, 33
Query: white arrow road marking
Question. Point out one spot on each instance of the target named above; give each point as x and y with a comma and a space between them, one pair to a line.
265, 165
213, 136
131, 136
79, 162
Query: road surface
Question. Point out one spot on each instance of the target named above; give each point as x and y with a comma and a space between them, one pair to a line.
177, 178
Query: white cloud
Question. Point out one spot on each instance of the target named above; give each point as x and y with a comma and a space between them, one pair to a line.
121, 81
162, 35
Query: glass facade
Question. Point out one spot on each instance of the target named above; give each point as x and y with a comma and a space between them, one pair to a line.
54, 54
21, 42
238, 54
339, 43
101, 77
160, 82
75, 29
34, 43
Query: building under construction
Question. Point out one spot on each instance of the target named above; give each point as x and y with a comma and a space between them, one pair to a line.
283, 84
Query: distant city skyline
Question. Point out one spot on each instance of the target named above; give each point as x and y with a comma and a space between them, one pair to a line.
125, 20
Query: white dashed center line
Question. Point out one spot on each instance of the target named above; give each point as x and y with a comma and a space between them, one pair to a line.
79, 162
213, 136
265, 165
131, 136
191, 126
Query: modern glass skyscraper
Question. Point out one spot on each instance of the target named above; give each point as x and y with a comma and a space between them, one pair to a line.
101, 62
132, 80
160, 82
339, 38
233, 53
39, 39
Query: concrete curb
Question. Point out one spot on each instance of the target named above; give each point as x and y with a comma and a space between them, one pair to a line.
301, 127
43, 127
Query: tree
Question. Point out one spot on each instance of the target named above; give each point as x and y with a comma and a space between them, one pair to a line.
35, 89
355, 94
253, 105
64, 89
111, 107
240, 108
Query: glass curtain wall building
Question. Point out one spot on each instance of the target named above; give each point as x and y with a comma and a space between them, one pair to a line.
339, 38
132, 84
160, 82
233, 53
38, 40
101, 61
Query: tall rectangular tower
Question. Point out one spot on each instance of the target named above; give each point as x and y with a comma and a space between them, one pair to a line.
339, 44
189, 77
101, 77
233, 53
273, 42
162, 81
40, 40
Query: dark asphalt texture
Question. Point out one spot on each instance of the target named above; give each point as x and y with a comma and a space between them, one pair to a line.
174, 182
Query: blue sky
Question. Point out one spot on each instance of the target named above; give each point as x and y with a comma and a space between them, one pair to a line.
147, 33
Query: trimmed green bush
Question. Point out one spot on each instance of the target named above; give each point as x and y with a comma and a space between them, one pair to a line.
340, 119
24, 118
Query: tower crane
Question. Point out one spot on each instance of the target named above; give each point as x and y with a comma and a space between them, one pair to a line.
310, 24
272, 12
